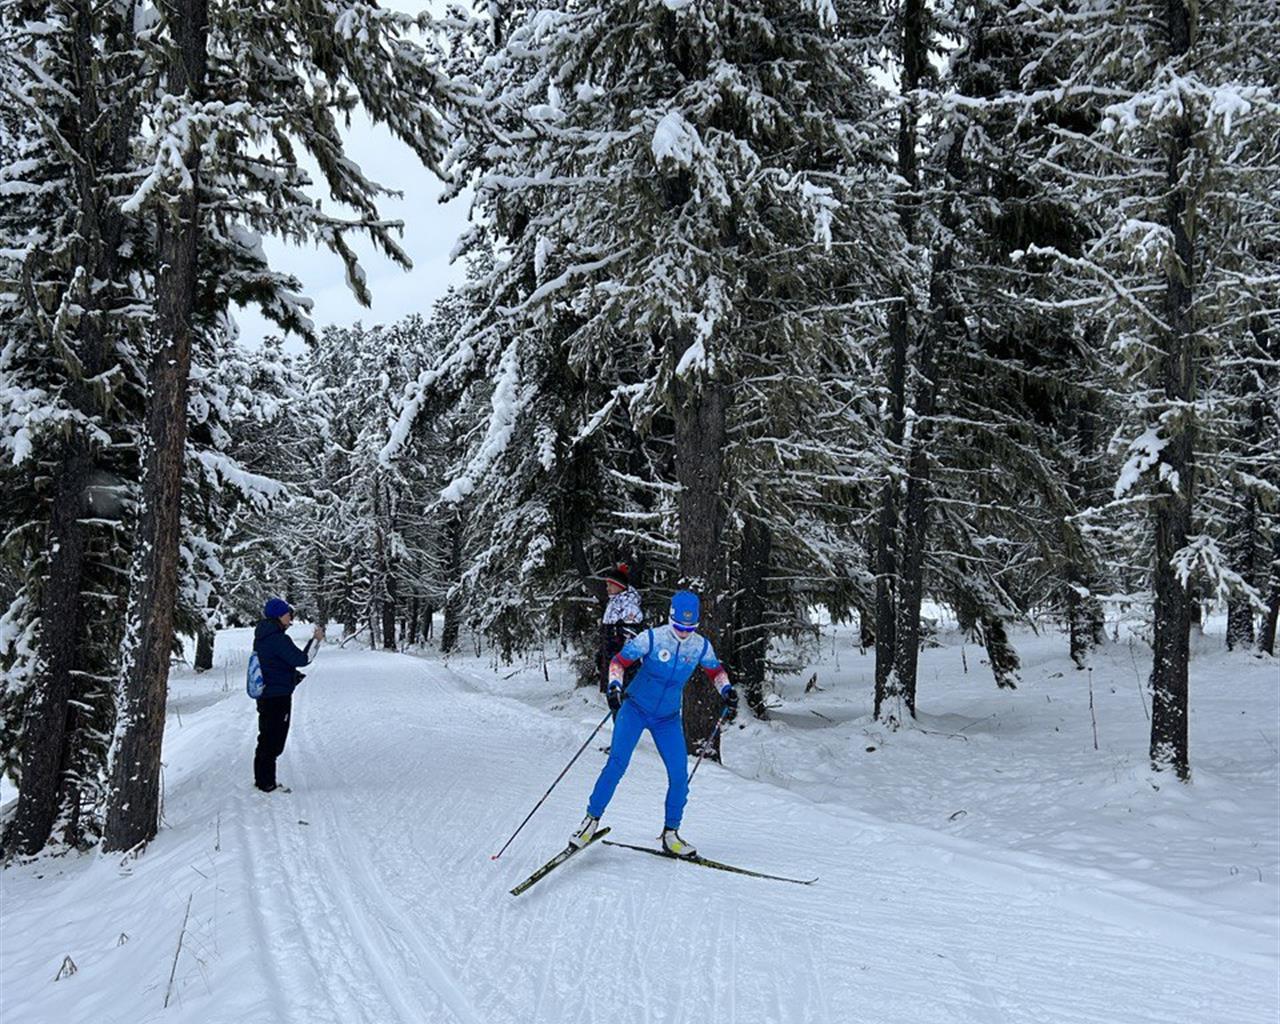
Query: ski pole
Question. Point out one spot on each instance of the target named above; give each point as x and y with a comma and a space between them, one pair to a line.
554, 784
709, 742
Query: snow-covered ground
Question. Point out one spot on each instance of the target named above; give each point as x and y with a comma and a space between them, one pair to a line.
990, 866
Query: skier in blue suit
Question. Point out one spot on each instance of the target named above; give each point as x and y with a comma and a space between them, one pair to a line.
668, 657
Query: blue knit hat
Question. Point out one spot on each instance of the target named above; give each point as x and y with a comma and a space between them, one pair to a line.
275, 607
685, 609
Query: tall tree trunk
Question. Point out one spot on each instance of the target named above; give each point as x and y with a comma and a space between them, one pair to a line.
866, 605
1172, 511
578, 619
1244, 540
1085, 621
915, 525
1269, 345
1267, 634
205, 636
915, 522
412, 622
453, 600
378, 573
134, 799
889, 526
1001, 654
389, 616
1244, 561
751, 632
204, 648
350, 613
373, 616
700, 434
44, 731
901, 685
887, 523
322, 593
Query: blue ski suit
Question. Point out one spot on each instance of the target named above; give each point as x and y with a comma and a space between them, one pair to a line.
653, 702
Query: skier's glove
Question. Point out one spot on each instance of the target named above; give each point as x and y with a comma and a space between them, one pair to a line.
615, 697
730, 697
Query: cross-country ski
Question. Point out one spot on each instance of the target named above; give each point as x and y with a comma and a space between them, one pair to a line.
555, 862
708, 863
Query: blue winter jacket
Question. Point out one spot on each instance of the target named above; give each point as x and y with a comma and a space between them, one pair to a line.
279, 657
667, 663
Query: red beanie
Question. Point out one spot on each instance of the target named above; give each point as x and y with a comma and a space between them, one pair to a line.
619, 574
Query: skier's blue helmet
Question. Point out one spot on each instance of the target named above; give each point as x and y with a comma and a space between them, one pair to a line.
685, 610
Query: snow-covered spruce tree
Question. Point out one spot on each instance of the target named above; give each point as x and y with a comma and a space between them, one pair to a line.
73, 303
371, 527
674, 197
800, 473
530, 512
426, 567
989, 395
343, 513
927, 327
1016, 451
75, 357
1170, 147
1242, 499
228, 414
280, 435
236, 88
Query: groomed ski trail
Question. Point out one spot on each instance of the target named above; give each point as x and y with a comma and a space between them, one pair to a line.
388, 909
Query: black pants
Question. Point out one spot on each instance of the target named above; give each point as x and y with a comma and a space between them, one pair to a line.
273, 728
613, 637
610, 644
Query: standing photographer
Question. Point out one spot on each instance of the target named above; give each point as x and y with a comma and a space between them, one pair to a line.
280, 659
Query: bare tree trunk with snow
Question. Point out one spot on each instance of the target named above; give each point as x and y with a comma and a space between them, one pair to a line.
1001, 654
134, 799
751, 631
700, 418
1244, 542
1267, 634
915, 514
204, 649
1084, 619
44, 737
890, 533
1172, 510
453, 601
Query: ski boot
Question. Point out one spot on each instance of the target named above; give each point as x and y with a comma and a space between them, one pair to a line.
585, 831
674, 845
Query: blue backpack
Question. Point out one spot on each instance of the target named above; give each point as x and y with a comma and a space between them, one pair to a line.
254, 684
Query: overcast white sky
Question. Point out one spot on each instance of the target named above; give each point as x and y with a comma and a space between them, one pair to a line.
430, 231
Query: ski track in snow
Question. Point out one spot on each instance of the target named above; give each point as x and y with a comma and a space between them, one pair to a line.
385, 908
396, 858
